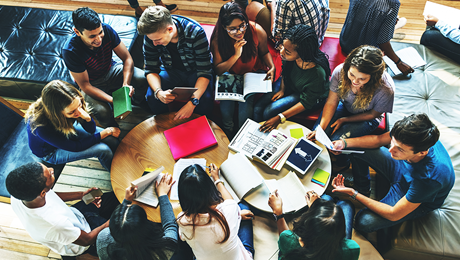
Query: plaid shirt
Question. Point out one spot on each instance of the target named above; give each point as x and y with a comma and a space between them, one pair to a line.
314, 13
193, 48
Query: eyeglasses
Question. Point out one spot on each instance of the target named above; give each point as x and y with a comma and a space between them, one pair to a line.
241, 28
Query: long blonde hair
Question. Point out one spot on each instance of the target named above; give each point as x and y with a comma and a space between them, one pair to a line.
56, 96
369, 60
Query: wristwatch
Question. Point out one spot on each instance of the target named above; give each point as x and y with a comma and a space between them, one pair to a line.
283, 118
278, 217
195, 101
353, 197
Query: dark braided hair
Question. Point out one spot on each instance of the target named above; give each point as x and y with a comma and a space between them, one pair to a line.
229, 12
306, 42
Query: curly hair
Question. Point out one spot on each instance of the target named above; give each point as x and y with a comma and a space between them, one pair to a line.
366, 59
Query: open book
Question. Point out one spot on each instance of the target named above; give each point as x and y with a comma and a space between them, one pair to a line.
240, 175
408, 55
291, 191
238, 87
322, 138
271, 149
146, 192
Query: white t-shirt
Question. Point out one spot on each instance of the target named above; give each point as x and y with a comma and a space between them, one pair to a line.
204, 242
54, 225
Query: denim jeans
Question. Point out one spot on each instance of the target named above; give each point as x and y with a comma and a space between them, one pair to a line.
265, 108
177, 78
97, 216
245, 233
113, 80
348, 130
135, 3
245, 111
103, 151
348, 210
382, 162
433, 38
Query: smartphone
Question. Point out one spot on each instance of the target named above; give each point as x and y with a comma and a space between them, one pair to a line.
88, 198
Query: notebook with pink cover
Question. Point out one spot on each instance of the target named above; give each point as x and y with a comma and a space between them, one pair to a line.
190, 137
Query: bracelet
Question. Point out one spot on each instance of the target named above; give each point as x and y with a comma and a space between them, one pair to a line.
399, 61
345, 143
219, 181
278, 217
353, 197
111, 131
282, 117
156, 93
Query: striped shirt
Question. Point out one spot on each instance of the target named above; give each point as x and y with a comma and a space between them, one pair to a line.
370, 22
97, 62
192, 45
314, 13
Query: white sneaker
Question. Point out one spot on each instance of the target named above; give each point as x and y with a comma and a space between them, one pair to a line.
401, 22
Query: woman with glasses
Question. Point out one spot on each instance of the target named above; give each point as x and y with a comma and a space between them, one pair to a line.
239, 46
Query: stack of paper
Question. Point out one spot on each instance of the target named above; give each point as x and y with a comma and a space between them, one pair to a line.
320, 177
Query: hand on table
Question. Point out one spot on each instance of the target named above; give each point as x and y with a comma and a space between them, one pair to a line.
276, 203
164, 185
185, 112
130, 193
270, 124
311, 136
214, 171
97, 200
311, 196
339, 186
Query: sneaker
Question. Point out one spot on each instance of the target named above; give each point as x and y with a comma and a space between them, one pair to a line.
173, 7
400, 23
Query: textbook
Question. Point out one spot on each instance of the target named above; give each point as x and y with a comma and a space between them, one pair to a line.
304, 155
446, 13
146, 192
242, 177
238, 87
408, 55
190, 137
291, 191
271, 149
121, 103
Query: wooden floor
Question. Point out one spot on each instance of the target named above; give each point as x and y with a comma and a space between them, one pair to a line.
15, 243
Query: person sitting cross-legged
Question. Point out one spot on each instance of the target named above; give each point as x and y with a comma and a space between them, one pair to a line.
417, 166
68, 231
176, 53
88, 56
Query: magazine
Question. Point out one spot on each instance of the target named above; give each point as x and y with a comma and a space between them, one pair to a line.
238, 87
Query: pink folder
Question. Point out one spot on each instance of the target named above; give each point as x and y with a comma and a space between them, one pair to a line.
190, 137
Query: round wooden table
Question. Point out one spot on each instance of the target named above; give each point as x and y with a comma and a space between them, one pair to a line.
259, 197
145, 146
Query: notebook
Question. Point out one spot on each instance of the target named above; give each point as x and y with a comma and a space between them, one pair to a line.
320, 177
121, 103
190, 137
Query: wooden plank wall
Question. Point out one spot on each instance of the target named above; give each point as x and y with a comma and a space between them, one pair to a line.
15, 243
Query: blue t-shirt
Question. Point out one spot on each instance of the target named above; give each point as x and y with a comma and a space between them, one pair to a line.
431, 179
97, 62
46, 139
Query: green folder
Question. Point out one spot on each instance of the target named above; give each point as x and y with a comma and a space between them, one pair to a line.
321, 176
121, 103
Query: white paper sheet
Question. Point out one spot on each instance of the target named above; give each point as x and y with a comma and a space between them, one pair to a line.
408, 55
180, 165
446, 13
324, 139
